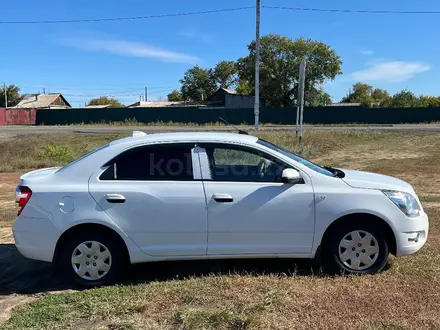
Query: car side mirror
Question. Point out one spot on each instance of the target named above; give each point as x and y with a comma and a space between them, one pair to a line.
290, 175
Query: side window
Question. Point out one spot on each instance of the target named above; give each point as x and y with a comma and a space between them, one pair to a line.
235, 163
167, 162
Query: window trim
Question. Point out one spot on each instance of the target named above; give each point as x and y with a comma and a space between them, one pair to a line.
244, 148
194, 161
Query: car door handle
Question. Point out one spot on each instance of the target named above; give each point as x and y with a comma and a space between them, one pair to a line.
115, 198
223, 198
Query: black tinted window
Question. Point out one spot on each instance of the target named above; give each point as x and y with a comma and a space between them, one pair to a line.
234, 163
168, 162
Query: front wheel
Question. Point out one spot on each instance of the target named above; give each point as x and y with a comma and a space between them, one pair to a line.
356, 249
93, 259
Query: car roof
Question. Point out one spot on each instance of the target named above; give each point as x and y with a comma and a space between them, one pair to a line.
187, 136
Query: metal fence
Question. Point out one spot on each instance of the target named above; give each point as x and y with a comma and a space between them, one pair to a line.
284, 116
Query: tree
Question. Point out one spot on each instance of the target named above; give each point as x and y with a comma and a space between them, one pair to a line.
359, 93
197, 84
403, 99
175, 96
429, 101
279, 67
105, 100
366, 95
13, 94
317, 97
380, 96
225, 74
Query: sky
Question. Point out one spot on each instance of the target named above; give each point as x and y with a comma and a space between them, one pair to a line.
120, 58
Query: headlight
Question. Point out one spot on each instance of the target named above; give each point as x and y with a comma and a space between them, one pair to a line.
404, 201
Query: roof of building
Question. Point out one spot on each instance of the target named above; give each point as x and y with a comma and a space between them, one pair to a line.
41, 101
101, 106
189, 137
229, 91
160, 104
345, 104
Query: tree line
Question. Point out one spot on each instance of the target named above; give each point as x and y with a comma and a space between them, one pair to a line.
368, 96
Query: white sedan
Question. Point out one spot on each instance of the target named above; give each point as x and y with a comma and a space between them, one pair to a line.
210, 195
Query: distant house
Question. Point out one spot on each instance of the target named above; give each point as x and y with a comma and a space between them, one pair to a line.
165, 104
43, 101
230, 99
100, 106
344, 104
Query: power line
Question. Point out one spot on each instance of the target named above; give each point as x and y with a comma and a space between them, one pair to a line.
353, 11
129, 18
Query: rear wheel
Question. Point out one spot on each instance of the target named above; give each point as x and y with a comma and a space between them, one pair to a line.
93, 259
356, 248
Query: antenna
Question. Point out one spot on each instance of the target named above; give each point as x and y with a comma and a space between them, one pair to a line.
240, 131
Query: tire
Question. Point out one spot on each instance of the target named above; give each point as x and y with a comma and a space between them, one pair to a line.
99, 259
358, 253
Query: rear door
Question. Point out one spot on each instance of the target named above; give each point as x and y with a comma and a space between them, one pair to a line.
154, 193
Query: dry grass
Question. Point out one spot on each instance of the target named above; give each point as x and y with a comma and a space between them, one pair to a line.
405, 296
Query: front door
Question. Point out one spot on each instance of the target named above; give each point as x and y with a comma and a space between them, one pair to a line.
250, 211
152, 194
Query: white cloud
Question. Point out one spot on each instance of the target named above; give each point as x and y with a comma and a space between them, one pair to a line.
391, 71
192, 33
129, 48
367, 52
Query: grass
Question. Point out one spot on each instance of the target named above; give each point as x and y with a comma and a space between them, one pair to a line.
287, 296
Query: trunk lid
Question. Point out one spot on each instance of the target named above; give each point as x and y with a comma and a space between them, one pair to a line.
39, 174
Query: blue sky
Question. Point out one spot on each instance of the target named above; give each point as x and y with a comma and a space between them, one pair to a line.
119, 58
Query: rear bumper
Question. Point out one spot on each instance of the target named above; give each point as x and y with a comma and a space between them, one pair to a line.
413, 237
35, 238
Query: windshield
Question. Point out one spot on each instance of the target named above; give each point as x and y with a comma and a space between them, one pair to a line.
303, 161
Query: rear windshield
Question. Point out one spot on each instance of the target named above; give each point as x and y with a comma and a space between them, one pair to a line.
81, 158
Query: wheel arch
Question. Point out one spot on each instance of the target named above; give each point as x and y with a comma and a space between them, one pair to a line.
371, 218
63, 239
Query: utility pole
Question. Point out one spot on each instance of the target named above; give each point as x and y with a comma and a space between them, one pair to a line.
146, 93
301, 88
257, 67
6, 95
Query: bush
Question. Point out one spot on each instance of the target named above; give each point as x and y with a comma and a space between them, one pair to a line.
56, 153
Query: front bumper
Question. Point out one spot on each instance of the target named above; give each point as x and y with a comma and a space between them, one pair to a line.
35, 238
411, 237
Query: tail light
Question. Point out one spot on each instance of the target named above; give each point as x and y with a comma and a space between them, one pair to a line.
22, 196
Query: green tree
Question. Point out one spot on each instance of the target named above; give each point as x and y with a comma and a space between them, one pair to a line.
105, 100
366, 95
359, 93
13, 94
279, 67
175, 96
225, 74
429, 101
197, 84
403, 99
317, 97
380, 96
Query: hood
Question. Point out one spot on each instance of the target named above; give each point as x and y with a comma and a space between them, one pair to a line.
367, 180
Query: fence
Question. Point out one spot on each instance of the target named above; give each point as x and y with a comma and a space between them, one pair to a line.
284, 116
17, 116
